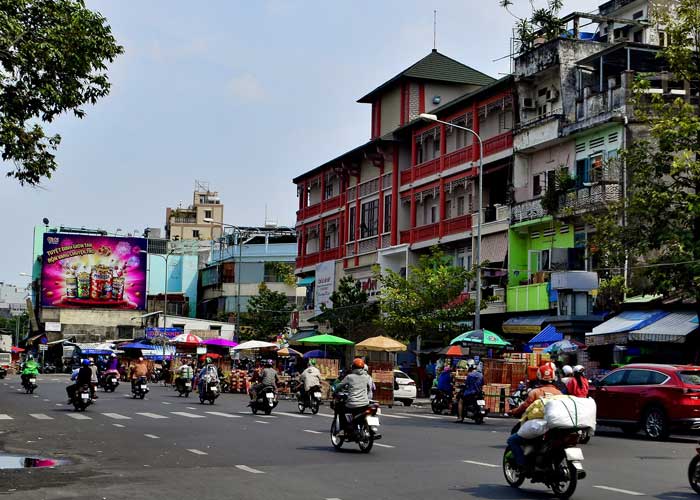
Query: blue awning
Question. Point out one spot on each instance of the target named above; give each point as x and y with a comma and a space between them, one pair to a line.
547, 336
137, 345
671, 328
627, 321
306, 281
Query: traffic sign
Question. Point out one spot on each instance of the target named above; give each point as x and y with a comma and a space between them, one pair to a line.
43, 347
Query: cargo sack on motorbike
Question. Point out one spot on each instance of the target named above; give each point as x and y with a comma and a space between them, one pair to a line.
570, 412
534, 411
533, 428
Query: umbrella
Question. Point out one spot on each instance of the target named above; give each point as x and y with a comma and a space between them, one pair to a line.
288, 351
302, 335
565, 345
210, 355
16, 349
220, 342
484, 337
326, 339
381, 343
137, 345
254, 344
186, 338
316, 353
455, 351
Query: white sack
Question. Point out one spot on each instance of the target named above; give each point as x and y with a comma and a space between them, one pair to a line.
569, 411
532, 429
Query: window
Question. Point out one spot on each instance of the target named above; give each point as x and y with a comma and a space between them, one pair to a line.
195, 233
663, 39
582, 172
657, 378
690, 378
505, 121
637, 377
536, 185
596, 167
638, 36
448, 209
615, 378
369, 219
461, 136
433, 214
638, 15
351, 225
387, 213
460, 206
551, 179
330, 235
329, 189
207, 214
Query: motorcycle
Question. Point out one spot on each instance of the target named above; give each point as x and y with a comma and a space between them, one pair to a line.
694, 472
476, 409
139, 388
183, 386
311, 399
362, 428
552, 459
82, 398
110, 381
440, 401
209, 392
29, 384
519, 395
265, 401
3, 372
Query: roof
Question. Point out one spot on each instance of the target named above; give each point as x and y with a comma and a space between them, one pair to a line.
627, 321
435, 66
672, 327
524, 324
547, 336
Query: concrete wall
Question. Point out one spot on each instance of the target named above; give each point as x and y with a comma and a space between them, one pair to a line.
182, 276
526, 166
447, 92
391, 110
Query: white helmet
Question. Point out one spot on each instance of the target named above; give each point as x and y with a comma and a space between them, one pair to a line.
567, 370
579, 369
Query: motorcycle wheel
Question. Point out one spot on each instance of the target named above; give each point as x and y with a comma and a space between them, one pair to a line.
514, 476
268, 410
694, 474
436, 409
142, 395
336, 441
301, 406
365, 439
479, 419
211, 401
565, 485
201, 400
314, 406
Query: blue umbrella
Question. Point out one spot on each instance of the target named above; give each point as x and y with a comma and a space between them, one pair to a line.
137, 345
316, 353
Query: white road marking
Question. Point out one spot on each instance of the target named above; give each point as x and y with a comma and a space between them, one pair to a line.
35, 396
221, 414
166, 403
191, 408
429, 417
618, 490
312, 432
249, 469
78, 416
333, 498
46, 400
384, 445
326, 415
295, 415
116, 416
261, 422
152, 415
185, 414
40, 416
393, 416
4, 416
152, 436
196, 452
482, 464
267, 416
118, 425
59, 404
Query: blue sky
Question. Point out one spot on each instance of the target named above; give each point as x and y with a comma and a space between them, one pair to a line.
243, 94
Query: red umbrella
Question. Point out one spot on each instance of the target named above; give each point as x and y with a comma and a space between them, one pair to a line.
186, 338
16, 349
210, 355
456, 351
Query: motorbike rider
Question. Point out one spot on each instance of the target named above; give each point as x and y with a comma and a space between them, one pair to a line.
567, 374
546, 374
473, 386
30, 367
184, 373
268, 378
208, 373
578, 385
93, 379
310, 378
358, 386
140, 369
83, 377
444, 382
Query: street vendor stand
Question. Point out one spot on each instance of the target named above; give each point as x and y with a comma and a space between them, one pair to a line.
329, 368
382, 371
240, 380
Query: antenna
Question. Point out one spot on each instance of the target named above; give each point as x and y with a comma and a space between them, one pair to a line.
435, 29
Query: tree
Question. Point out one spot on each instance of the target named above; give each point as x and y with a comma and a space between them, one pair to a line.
268, 313
426, 302
543, 23
53, 56
656, 227
351, 311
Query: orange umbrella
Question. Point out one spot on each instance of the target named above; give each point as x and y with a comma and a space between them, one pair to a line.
456, 351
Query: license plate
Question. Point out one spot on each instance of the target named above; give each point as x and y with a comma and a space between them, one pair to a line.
574, 454
432, 396
188, 385
144, 387
481, 402
269, 396
317, 395
85, 396
372, 421
32, 381
214, 389
113, 381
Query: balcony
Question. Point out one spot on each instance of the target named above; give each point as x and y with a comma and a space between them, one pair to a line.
527, 298
458, 157
538, 132
527, 210
317, 257
319, 208
497, 144
455, 225
458, 225
183, 220
426, 169
588, 199
500, 213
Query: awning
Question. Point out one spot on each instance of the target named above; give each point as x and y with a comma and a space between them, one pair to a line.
302, 335
524, 324
494, 247
306, 281
671, 328
627, 321
546, 337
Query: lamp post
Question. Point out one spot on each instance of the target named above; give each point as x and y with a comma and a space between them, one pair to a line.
165, 293
18, 323
477, 308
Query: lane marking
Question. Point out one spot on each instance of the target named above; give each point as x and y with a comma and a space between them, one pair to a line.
78, 416
45, 400
35, 396
312, 432
249, 469
394, 416
191, 408
188, 415
152, 415
482, 464
267, 416
59, 404
196, 452
618, 490
118, 425
294, 415
152, 436
326, 415
261, 422
4, 416
116, 416
166, 403
222, 414
384, 445
40, 416
429, 417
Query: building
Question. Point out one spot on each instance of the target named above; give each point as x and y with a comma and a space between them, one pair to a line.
202, 220
13, 299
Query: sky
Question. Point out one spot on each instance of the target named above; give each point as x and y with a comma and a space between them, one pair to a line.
245, 95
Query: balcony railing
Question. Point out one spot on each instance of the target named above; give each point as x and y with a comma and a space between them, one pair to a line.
528, 210
316, 257
426, 168
458, 157
527, 298
421, 233
368, 244
498, 143
457, 225
183, 220
405, 177
590, 198
319, 208
492, 214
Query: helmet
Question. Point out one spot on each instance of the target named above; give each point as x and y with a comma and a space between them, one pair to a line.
579, 369
546, 372
112, 355
357, 363
270, 362
140, 358
312, 362
567, 370
86, 362
209, 360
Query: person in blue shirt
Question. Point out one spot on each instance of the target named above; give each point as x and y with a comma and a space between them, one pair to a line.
473, 386
444, 383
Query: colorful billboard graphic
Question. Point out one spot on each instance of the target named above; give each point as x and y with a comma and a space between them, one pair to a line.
87, 272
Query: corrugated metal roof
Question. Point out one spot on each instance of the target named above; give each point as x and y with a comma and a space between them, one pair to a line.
668, 328
627, 321
547, 336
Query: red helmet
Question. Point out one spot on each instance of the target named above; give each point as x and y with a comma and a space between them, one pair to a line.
358, 363
546, 372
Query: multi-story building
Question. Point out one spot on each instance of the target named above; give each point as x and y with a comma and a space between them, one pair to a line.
13, 299
202, 220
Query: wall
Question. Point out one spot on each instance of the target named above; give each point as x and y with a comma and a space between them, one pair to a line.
520, 241
447, 92
552, 158
182, 276
391, 110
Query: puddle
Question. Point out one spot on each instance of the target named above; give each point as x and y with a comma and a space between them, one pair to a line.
20, 462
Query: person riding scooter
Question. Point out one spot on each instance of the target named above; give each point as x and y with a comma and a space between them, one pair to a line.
184, 374
207, 374
357, 384
268, 378
473, 386
82, 378
310, 378
30, 368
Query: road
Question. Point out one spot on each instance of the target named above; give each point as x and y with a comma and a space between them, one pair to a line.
174, 447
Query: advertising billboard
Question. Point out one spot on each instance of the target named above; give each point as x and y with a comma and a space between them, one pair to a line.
86, 272
325, 285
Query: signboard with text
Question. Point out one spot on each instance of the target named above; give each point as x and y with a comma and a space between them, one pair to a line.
325, 285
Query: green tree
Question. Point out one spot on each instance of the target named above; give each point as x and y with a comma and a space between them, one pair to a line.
656, 228
53, 56
351, 312
424, 303
544, 22
268, 313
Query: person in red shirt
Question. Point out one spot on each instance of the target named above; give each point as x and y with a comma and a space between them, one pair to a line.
578, 385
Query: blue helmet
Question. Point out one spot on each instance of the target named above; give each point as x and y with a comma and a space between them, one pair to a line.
86, 362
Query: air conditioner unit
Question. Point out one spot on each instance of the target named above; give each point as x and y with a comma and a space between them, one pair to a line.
529, 103
552, 95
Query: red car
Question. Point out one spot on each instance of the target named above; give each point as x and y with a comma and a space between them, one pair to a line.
654, 398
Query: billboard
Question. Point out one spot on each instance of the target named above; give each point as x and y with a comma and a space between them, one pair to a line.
86, 272
325, 285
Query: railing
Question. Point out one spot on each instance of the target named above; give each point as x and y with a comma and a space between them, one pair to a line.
590, 198
421, 233
319, 208
498, 143
458, 157
386, 240
316, 257
492, 214
459, 224
350, 249
183, 220
405, 177
368, 244
426, 168
405, 236
527, 298
527, 210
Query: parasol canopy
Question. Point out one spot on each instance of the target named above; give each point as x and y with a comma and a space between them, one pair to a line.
254, 344
382, 344
326, 339
316, 353
186, 338
220, 342
565, 345
455, 351
210, 355
288, 351
137, 345
485, 337
16, 349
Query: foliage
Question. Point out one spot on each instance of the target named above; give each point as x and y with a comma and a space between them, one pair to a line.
563, 183
283, 271
8, 326
543, 23
268, 313
660, 229
424, 303
351, 311
53, 56
611, 293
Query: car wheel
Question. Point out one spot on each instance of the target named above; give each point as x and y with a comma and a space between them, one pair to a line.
656, 424
407, 402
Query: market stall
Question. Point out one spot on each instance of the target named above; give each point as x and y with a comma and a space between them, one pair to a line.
329, 368
382, 370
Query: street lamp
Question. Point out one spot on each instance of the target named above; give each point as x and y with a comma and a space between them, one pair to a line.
165, 307
18, 323
477, 308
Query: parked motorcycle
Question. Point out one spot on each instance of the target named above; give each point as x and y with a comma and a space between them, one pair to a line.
139, 388
476, 409
311, 399
109, 381
265, 401
694, 472
209, 392
29, 383
362, 428
183, 386
552, 459
82, 398
440, 401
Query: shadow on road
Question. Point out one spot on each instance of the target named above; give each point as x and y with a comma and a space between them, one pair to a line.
503, 492
641, 437
330, 449
677, 495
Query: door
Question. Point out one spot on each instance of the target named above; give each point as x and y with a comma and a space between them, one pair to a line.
606, 394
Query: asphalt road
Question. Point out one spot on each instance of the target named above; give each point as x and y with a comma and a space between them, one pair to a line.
178, 449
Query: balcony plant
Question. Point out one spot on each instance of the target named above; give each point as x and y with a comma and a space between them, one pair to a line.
563, 184
543, 24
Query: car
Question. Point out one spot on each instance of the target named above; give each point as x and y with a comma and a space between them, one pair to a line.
655, 398
404, 388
